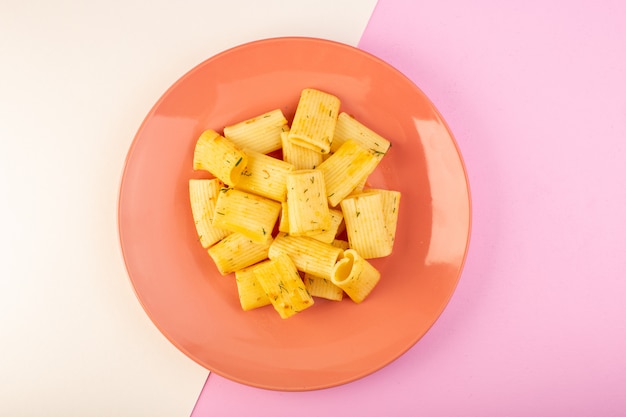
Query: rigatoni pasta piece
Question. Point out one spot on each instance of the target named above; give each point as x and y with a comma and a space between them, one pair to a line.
390, 200
282, 284
251, 293
237, 251
322, 288
307, 206
350, 128
314, 122
299, 156
355, 276
260, 133
246, 213
203, 195
309, 255
328, 235
219, 156
265, 176
365, 225
345, 169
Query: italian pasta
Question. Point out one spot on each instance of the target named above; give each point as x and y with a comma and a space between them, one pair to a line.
237, 251
308, 212
299, 156
355, 276
350, 128
345, 169
297, 224
265, 176
365, 225
219, 156
336, 221
326, 235
283, 286
251, 293
260, 133
246, 213
308, 254
203, 196
322, 288
390, 201
314, 123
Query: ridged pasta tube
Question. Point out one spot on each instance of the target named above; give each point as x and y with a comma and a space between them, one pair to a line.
282, 284
265, 176
203, 195
322, 288
237, 251
365, 225
260, 133
246, 213
355, 276
314, 122
251, 293
219, 156
308, 254
346, 169
350, 128
299, 156
307, 206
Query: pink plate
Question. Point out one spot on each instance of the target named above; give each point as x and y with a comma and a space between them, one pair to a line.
331, 343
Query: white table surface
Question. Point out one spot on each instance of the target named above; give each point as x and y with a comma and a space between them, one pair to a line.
76, 80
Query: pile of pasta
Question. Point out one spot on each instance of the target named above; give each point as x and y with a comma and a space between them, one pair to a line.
298, 225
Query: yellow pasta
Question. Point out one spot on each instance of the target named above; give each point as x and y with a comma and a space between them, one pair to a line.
299, 156
307, 207
237, 251
345, 169
251, 293
282, 284
390, 200
327, 235
318, 191
260, 133
219, 156
314, 122
265, 176
336, 221
246, 213
203, 194
283, 224
365, 225
309, 255
350, 128
322, 288
355, 276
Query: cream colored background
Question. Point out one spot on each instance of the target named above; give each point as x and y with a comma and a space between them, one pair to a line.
76, 80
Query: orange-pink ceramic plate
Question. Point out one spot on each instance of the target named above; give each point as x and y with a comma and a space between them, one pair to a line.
331, 343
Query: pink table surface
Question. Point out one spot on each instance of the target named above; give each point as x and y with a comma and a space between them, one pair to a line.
535, 93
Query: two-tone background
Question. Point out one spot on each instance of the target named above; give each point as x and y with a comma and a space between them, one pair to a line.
535, 94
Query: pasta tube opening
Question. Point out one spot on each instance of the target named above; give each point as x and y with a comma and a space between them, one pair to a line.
219, 156
355, 276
